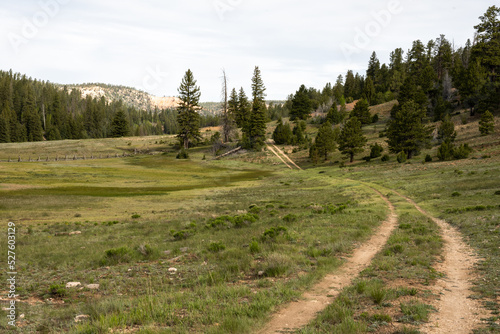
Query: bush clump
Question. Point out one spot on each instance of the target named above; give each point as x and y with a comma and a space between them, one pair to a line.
183, 154
227, 222
115, 256
216, 247
290, 218
254, 247
274, 232
277, 264
181, 235
57, 290
376, 151
401, 157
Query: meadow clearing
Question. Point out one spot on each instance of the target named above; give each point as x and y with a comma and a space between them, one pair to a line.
218, 246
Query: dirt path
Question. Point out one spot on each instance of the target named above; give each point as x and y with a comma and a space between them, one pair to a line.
456, 312
276, 154
300, 313
284, 154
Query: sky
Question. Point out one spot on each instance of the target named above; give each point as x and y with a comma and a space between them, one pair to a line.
150, 44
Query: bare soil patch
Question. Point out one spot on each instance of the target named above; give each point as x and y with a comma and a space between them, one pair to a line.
456, 311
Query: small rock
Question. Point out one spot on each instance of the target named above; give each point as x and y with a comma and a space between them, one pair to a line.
167, 252
184, 249
92, 286
81, 317
172, 270
75, 232
21, 316
129, 270
73, 284
261, 273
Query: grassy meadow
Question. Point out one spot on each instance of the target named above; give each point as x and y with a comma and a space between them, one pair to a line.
175, 246
217, 246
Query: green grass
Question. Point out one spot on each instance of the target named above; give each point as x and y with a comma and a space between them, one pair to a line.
237, 220
244, 234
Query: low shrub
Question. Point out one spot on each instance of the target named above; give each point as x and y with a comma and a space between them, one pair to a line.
401, 157
216, 247
115, 256
183, 154
376, 151
290, 218
57, 290
181, 235
274, 232
277, 264
254, 247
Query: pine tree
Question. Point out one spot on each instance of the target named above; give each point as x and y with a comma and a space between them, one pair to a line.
487, 52
361, 112
188, 118
31, 118
243, 115
405, 131
334, 116
351, 139
338, 90
301, 104
298, 133
4, 128
255, 130
282, 133
232, 106
446, 130
325, 141
470, 82
373, 67
349, 85
119, 125
486, 123
369, 91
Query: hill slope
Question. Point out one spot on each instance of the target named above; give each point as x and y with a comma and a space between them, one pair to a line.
130, 96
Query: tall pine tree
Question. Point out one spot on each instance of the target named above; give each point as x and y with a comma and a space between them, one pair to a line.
351, 139
188, 117
301, 104
406, 132
325, 141
255, 130
119, 125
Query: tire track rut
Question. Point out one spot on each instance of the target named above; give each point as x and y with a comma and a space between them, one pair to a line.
300, 313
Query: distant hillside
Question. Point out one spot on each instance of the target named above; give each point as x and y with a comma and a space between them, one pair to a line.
139, 99
130, 96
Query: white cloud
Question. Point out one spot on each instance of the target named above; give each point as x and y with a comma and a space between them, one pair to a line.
294, 42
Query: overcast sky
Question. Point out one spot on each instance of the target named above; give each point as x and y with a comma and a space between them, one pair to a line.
149, 44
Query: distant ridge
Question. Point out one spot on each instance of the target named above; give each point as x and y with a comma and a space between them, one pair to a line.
130, 96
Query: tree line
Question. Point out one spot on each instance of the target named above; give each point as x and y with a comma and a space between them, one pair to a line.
33, 110
429, 82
